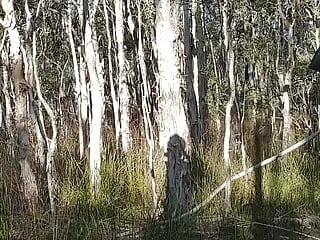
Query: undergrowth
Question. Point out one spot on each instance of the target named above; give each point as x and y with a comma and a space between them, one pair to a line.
125, 202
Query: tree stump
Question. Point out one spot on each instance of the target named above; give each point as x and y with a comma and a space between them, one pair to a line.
178, 192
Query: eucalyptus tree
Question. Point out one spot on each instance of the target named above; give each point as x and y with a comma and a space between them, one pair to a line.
50, 143
6, 88
198, 53
172, 120
79, 69
285, 61
146, 105
229, 71
109, 25
311, 11
124, 96
189, 74
96, 76
22, 91
46, 146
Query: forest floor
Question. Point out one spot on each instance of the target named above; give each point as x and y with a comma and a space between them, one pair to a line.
274, 202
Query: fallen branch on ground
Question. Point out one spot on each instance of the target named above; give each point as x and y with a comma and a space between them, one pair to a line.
235, 177
246, 172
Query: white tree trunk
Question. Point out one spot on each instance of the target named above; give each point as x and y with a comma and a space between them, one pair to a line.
51, 143
316, 16
97, 95
188, 72
200, 81
6, 89
172, 117
173, 129
195, 9
286, 140
284, 72
81, 90
230, 77
317, 35
146, 108
115, 101
29, 75
29, 185
286, 120
123, 87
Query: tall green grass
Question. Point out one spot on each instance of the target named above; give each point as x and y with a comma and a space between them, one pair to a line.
125, 200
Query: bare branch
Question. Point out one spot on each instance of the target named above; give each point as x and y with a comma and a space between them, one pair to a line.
244, 173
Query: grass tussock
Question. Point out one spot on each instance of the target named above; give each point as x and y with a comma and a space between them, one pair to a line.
125, 200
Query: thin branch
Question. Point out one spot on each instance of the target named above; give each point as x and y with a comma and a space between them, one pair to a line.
235, 177
244, 173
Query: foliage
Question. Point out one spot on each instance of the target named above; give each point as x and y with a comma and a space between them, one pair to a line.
124, 203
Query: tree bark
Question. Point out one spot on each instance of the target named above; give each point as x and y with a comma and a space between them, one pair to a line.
200, 82
97, 94
123, 87
173, 129
114, 97
81, 90
51, 143
146, 108
230, 77
188, 71
6, 89
284, 69
22, 103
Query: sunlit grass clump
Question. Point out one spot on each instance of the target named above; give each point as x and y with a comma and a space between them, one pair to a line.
125, 197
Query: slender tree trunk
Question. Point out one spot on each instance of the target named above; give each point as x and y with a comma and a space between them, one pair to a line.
115, 101
50, 142
97, 94
188, 71
284, 72
314, 14
22, 87
123, 87
217, 74
80, 86
242, 134
6, 89
173, 129
228, 119
146, 108
29, 74
316, 17
200, 81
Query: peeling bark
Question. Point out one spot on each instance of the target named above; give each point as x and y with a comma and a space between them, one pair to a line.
81, 90
146, 109
172, 119
189, 77
124, 96
200, 81
95, 70
115, 101
284, 69
230, 77
51, 143
22, 103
